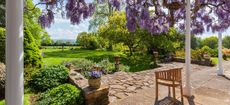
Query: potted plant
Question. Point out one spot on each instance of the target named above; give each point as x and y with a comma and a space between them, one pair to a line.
94, 79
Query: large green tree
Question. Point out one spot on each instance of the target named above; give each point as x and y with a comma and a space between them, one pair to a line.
88, 40
211, 42
31, 15
116, 32
226, 42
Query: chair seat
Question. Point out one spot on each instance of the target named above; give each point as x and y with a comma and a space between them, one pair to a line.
169, 83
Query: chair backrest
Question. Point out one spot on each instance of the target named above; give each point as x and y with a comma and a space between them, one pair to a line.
169, 75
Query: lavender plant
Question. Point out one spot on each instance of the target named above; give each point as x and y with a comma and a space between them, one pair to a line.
94, 74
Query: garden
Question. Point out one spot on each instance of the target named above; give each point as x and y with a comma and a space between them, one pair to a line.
47, 62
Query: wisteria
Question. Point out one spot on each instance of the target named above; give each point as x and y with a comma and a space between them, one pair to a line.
156, 16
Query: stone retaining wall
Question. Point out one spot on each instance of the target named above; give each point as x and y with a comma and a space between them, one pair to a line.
92, 96
193, 61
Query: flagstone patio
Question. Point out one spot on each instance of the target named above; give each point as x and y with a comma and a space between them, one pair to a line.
139, 88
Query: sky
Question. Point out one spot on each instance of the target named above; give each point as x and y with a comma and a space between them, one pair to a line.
62, 29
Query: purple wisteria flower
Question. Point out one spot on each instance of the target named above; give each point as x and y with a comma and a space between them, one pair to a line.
95, 74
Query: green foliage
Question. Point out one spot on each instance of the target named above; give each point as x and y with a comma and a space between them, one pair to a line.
88, 41
226, 42
31, 22
28, 71
32, 55
2, 44
135, 63
48, 77
46, 40
197, 54
116, 32
211, 42
65, 94
195, 42
180, 53
84, 64
101, 14
107, 66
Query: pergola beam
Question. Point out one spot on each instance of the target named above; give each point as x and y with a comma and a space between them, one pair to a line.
14, 52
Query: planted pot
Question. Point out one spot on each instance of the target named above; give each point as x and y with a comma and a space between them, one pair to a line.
94, 83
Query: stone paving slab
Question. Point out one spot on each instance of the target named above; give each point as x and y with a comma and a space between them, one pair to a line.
139, 88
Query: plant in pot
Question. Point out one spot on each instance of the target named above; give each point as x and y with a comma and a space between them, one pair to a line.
94, 79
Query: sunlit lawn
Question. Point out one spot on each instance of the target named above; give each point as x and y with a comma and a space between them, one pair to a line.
57, 56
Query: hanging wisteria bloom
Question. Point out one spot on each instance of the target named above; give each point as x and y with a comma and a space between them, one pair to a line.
156, 16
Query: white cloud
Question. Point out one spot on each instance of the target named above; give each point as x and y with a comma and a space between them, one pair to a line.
62, 29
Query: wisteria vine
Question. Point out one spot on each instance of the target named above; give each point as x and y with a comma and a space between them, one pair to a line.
156, 16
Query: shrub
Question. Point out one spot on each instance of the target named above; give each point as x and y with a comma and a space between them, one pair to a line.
180, 53
2, 44
65, 94
107, 66
48, 77
32, 55
124, 67
82, 63
226, 53
197, 54
28, 73
2, 80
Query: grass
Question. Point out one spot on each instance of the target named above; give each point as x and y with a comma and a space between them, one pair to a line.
26, 100
137, 62
57, 56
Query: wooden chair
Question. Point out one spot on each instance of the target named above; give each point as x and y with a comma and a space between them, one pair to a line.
171, 78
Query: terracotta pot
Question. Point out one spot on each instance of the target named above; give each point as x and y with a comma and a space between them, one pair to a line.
94, 83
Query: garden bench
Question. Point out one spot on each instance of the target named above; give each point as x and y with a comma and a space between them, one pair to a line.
171, 78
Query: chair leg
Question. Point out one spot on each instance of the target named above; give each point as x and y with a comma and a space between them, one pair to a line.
169, 91
174, 94
181, 92
156, 92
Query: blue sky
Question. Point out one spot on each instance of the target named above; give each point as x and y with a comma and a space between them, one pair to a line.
62, 29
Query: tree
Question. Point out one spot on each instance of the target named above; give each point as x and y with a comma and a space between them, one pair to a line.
31, 22
46, 40
32, 54
164, 43
195, 42
211, 42
116, 32
226, 42
88, 41
2, 44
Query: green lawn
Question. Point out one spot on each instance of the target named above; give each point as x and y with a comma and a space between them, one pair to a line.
26, 100
57, 56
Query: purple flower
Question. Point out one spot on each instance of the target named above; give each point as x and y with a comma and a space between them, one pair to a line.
95, 74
